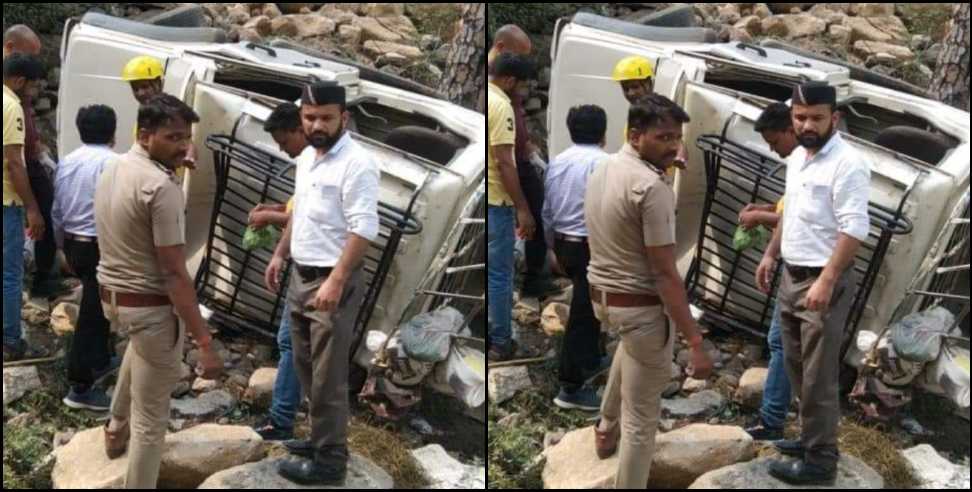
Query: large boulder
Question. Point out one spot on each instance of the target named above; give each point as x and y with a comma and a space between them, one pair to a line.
372, 29
445, 472
260, 389
683, 455
852, 473
887, 29
188, 459
793, 26
893, 52
680, 457
362, 474
376, 49
312, 25
18, 381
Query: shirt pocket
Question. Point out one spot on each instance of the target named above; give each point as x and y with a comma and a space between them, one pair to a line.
325, 204
818, 204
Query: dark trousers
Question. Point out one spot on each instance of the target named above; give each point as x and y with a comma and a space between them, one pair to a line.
45, 250
536, 248
90, 349
581, 350
322, 352
811, 349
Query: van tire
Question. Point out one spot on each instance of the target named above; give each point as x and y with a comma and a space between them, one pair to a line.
914, 142
185, 16
678, 15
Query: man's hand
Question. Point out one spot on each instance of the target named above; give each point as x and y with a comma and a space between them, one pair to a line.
700, 366
210, 366
820, 294
259, 220
749, 220
764, 274
525, 225
329, 295
272, 276
35, 224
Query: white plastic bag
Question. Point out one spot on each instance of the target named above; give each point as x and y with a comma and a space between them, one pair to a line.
466, 373
918, 337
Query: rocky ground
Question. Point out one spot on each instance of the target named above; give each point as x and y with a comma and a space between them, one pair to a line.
210, 441
701, 444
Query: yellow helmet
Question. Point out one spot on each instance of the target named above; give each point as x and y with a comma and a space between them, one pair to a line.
633, 68
142, 68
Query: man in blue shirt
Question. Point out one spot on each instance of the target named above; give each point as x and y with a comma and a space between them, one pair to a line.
566, 233
74, 230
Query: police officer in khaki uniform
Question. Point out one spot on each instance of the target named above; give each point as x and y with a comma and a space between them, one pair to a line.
146, 291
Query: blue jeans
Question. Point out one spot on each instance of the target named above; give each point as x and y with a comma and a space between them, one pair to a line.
500, 225
286, 390
13, 272
776, 394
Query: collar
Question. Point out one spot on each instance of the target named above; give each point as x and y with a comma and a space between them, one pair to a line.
499, 92
629, 151
8, 92
139, 152
831, 145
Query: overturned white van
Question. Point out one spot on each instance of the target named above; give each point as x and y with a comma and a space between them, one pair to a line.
919, 149
431, 153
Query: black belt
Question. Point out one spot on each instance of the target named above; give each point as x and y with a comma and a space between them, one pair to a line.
309, 273
569, 239
79, 239
802, 274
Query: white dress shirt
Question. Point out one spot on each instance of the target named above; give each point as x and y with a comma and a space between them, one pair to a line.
826, 195
566, 183
74, 191
336, 194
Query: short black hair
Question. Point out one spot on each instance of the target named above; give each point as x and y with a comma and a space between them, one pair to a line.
23, 65
776, 117
284, 117
97, 124
161, 109
653, 109
587, 124
512, 65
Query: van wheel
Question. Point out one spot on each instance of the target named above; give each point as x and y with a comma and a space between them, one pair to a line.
186, 16
914, 142
424, 142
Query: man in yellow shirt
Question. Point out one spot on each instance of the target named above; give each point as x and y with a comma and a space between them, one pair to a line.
507, 208
21, 78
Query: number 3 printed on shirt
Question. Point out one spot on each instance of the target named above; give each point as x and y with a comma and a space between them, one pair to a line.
20, 124
509, 124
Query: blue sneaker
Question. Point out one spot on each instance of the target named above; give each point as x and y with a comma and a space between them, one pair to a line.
585, 399
94, 399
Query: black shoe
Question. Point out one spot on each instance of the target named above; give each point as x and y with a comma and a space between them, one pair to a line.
307, 472
790, 448
300, 447
760, 432
94, 399
801, 473
270, 432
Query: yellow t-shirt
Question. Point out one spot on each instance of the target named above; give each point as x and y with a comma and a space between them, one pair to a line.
13, 134
779, 207
502, 131
290, 205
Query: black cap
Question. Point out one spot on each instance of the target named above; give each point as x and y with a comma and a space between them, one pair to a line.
814, 93
323, 93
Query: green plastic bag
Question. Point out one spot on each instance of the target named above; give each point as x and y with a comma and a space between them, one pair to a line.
757, 237
264, 238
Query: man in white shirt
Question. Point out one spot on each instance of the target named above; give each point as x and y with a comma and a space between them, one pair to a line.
823, 225
581, 354
335, 218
